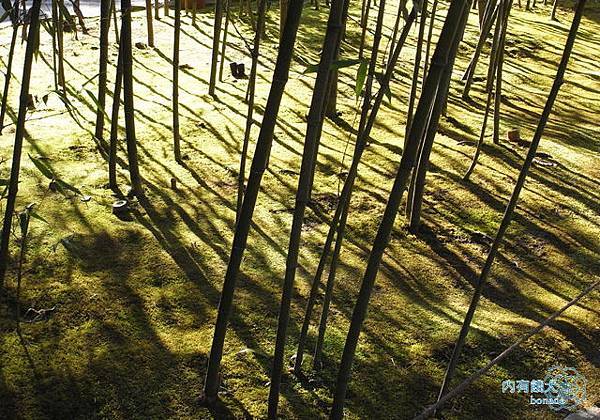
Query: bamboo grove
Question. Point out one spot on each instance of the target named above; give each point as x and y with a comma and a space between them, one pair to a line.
376, 61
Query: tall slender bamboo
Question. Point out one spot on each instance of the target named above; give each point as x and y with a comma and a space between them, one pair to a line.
25, 218
132, 156
215, 47
149, 24
262, 6
415, 193
362, 137
259, 163
11, 53
489, 89
115, 22
481, 6
499, 67
283, 11
456, 17
392, 39
512, 204
80, 18
333, 79
490, 17
311, 144
103, 63
368, 88
13, 185
364, 25
429, 411
341, 209
176, 35
114, 123
53, 19
225, 32
367, 93
429, 37
417, 66
25, 22
554, 6
59, 38
157, 10
331, 106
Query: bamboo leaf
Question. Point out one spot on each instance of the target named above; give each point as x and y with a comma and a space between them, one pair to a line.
4, 181
49, 28
336, 65
43, 168
66, 186
38, 217
24, 222
97, 103
340, 64
48, 173
311, 68
360, 77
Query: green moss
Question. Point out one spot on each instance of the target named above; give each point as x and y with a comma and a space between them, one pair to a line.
136, 300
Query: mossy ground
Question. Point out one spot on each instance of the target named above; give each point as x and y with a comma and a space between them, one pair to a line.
136, 300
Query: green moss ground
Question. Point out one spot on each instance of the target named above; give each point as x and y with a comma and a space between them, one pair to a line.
136, 300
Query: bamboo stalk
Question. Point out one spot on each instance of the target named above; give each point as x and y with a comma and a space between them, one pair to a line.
512, 204
115, 23
345, 197
499, 67
149, 24
311, 145
429, 411
13, 185
59, 39
259, 163
489, 89
490, 16
429, 37
415, 195
176, 36
331, 106
103, 63
215, 47
225, 32
364, 24
365, 125
114, 123
262, 6
456, 14
132, 156
417, 67
11, 53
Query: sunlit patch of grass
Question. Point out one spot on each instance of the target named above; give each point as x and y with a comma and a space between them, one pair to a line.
136, 299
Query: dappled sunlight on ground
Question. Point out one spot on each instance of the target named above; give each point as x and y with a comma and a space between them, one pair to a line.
136, 299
